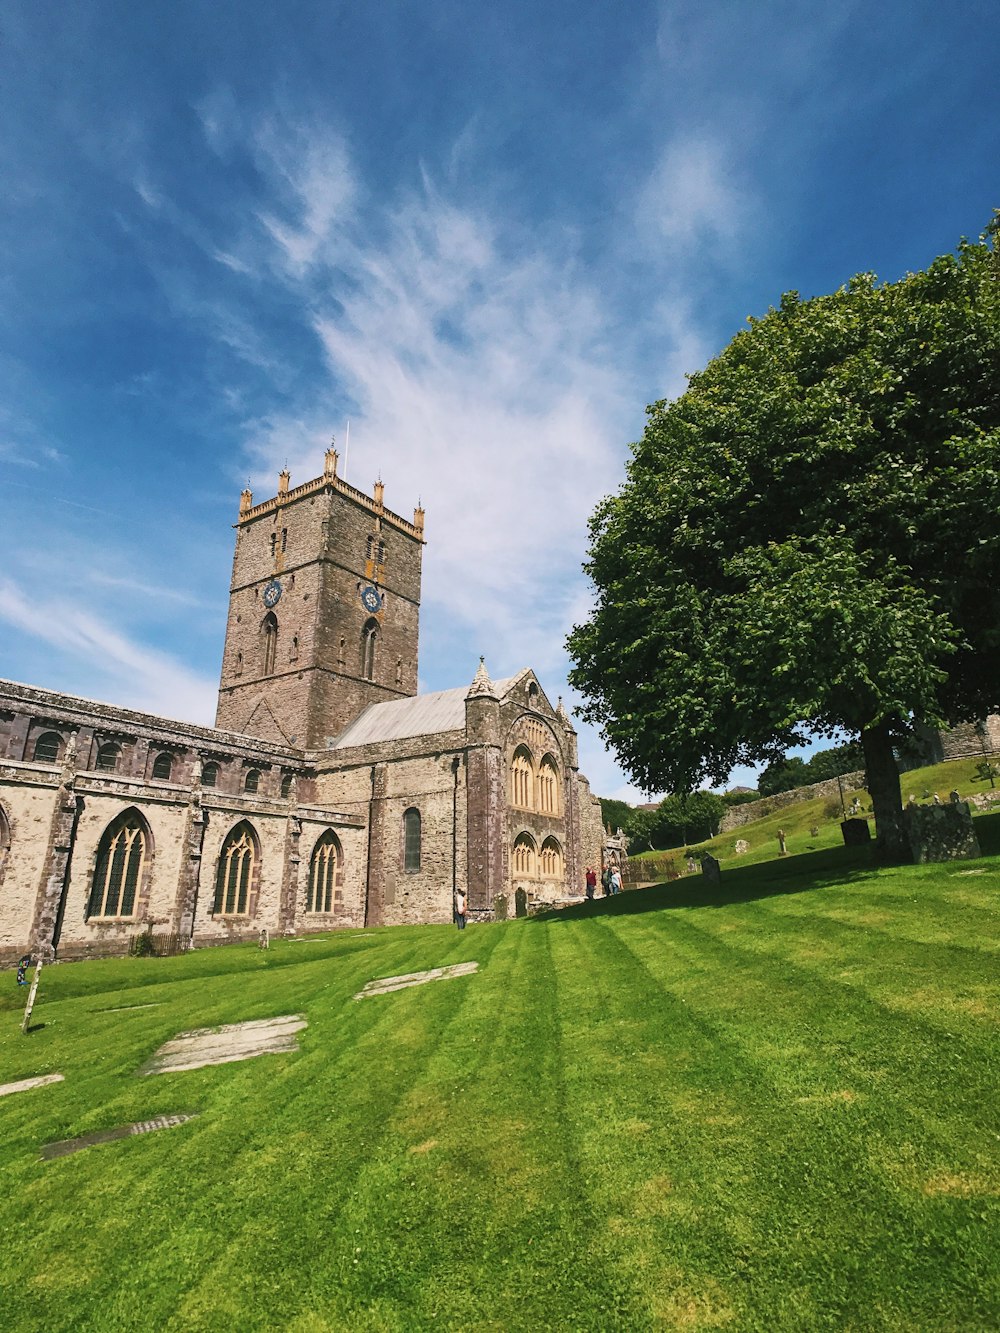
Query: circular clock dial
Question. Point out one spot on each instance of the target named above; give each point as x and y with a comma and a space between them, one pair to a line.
370, 600
272, 593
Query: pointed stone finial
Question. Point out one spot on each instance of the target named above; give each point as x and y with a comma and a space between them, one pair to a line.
330, 461
418, 518
379, 493
246, 499
284, 476
563, 715
482, 686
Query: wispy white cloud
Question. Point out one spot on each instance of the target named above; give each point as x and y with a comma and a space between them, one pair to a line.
139, 676
692, 196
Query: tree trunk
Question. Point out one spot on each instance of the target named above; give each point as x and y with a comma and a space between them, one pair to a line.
882, 776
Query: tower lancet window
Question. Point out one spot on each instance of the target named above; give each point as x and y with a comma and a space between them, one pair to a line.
270, 630
548, 786
524, 856
369, 644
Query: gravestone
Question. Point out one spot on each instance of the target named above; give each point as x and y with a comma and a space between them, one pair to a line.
520, 902
941, 832
855, 832
500, 907
710, 869
741, 847
782, 849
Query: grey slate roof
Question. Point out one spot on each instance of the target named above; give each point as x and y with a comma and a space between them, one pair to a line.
422, 715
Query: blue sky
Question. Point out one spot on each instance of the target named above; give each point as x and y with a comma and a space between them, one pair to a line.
487, 235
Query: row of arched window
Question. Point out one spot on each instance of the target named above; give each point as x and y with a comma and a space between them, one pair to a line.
47, 748
531, 863
124, 856
531, 787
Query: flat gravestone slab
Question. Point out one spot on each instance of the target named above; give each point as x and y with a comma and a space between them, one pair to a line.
226, 1044
25, 1083
383, 985
66, 1146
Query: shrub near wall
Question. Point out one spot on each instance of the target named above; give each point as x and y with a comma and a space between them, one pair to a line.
767, 805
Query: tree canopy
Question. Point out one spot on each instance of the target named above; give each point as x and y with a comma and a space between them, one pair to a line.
808, 539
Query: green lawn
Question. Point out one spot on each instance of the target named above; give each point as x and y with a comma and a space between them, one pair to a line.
774, 1107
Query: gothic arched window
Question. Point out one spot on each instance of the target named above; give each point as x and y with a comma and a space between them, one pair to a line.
121, 858
286, 784
47, 747
326, 875
369, 639
522, 779
251, 783
548, 786
238, 861
411, 839
552, 861
4, 842
269, 628
210, 775
162, 766
524, 856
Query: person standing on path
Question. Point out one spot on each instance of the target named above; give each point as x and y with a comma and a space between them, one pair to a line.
591, 882
460, 908
616, 880
606, 881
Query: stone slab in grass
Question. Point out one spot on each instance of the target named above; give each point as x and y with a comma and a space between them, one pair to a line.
383, 985
66, 1146
22, 1085
226, 1044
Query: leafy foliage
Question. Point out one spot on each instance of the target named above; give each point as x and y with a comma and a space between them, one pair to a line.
807, 537
785, 774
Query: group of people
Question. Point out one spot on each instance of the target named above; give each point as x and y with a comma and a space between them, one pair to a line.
611, 881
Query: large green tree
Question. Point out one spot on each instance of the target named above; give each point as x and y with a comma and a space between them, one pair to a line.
808, 539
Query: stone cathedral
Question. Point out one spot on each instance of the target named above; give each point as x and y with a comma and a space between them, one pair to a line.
329, 793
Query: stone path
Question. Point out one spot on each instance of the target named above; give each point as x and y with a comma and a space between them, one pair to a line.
226, 1044
65, 1146
25, 1083
383, 985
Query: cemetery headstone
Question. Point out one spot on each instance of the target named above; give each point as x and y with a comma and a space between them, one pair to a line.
855, 832
741, 847
520, 902
941, 832
710, 869
782, 849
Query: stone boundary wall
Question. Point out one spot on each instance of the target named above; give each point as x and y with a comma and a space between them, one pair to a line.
768, 805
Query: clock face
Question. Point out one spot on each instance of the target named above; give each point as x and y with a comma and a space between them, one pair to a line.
370, 600
272, 593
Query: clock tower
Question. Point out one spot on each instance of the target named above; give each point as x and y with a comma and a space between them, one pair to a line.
324, 610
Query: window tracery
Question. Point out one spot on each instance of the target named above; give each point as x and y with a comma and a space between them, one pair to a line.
524, 856
237, 862
522, 779
551, 859
47, 747
121, 857
326, 875
411, 839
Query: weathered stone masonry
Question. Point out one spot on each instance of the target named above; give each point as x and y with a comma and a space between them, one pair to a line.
330, 794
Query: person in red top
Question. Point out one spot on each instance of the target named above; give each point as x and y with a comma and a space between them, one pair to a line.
591, 881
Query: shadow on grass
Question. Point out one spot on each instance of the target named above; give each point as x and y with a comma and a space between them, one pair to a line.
801, 873
740, 884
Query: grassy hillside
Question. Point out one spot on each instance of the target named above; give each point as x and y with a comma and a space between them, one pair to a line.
800, 818
772, 1108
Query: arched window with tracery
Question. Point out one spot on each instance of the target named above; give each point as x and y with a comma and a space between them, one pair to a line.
269, 629
548, 786
238, 863
524, 856
4, 842
326, 875
108, 757
411, 839
122, 855
47, 747
522, 779
163, 766
551, 859
369, 640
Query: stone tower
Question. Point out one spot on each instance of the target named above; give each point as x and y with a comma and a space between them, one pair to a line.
324, 610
